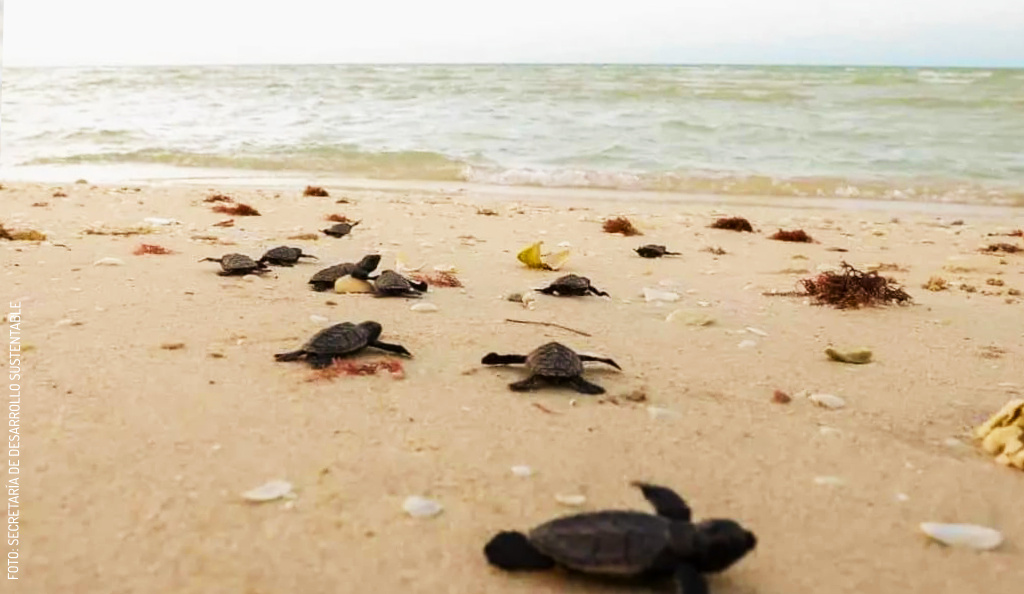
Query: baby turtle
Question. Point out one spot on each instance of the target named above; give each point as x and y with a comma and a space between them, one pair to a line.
554, 363
391, 284
654, 251
338, 341
571, 285
284, 256
340, 230
237, 265
629, 544
324, 279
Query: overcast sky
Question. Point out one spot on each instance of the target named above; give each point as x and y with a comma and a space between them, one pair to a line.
901, 32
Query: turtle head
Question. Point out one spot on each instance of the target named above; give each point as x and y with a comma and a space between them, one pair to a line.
712, 545
373, 330
369, 263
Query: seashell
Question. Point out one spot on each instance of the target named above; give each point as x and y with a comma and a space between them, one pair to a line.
421, 507
659, 295
161, 221
424, 307
108, 262
522, 471
856, 356
690, 318
449, 268
657, 413
401, 267
756, 331
348, 284
529, 300
827, 401
748, 344
318, 320
268, 492
571, 500
963, 535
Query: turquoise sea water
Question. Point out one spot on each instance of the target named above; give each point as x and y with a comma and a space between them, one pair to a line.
888, 133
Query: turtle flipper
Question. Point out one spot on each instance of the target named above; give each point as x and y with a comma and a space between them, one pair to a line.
666, 502
531, 383
391, 348
212, 260
418, 285
601, 360
320, 361
308, 256
584, 387
546, 290
290, 356
689, 581
496, 359
598, 292
512, 551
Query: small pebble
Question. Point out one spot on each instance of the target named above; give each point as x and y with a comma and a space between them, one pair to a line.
424, 307
522, 471
827, 401
964, 535
571, 500
268, 492
780, 397
855, 356
421, 507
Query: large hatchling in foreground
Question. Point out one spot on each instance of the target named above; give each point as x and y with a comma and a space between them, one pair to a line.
338, 341
552, 363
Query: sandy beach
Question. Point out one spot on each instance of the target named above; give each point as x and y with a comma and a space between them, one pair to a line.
135, 456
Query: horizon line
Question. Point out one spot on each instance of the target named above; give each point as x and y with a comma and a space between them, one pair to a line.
530, 63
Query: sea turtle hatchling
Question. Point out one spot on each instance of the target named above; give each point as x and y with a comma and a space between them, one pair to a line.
654, 251
284, 256
340, 229
391, 284
629, 544
324, 279
571, 285
553, 363
338, 341
237, 265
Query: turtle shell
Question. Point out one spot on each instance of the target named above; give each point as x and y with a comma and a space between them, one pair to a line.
340, 229
333, 273
237, 262
283, 254
339, 339
391, 282
621, 543
571, 283
554, 360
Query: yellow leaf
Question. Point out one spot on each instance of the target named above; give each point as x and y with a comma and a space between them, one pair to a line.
533, 258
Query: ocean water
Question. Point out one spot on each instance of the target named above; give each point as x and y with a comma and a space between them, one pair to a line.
954, 135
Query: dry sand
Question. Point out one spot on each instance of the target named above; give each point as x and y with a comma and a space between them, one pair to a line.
135, 456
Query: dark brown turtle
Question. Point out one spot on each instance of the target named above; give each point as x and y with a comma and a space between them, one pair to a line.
340, 229
237, 264
338, 341
571, 285
284, 256
553, 363
628, 544
324, 279
654, 251
391, 284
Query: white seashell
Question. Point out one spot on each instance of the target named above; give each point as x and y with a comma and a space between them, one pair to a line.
832, 481
659, 295
424, 307
161, 222
108, 262
421, 507
565, 244
318, 320
268, 492
827, 401
658, 413
530, 299
571, 500
690, 318
522, 471
748, 344
449, 268
65, 322
757, 331
964, 535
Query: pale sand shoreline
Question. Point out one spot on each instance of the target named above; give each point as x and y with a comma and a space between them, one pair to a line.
135, 456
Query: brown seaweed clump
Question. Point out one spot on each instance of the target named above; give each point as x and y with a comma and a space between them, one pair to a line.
438, 279
798, 235
350, 367
21, 235
1007, 248
238, 210
852, 288
621, 225
218, 198
1017, 233
315, 191
338, 218
733, 224
150, 248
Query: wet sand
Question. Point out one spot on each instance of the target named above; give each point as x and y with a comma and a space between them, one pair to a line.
135, 456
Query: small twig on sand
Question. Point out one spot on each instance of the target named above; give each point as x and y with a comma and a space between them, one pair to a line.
61, 245
545, 409
580, 332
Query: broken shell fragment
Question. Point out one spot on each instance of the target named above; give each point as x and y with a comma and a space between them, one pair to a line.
963, 535
855, 356
659, 295
424, 307
268, 492
348, 284
827, 401
522, 471
421, 507
571, 500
